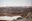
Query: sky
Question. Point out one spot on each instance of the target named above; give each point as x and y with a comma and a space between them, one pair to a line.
15, 2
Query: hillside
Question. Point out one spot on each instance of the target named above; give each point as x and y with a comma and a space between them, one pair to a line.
13, 11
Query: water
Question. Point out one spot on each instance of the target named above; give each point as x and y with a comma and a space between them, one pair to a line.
8, 17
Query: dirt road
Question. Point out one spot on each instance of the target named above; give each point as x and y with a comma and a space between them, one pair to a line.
23, 20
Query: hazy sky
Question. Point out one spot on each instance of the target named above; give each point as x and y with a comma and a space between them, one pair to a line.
16, 2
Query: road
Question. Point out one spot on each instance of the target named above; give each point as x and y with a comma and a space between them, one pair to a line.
23, 20
26, 19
